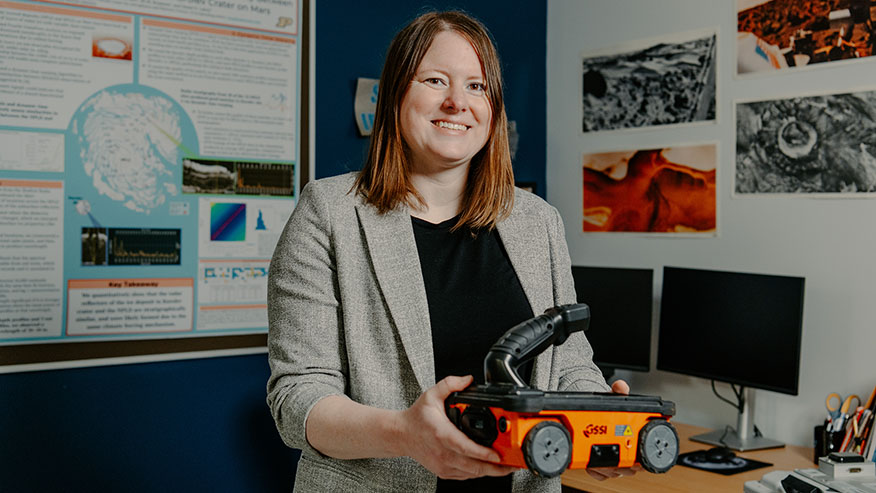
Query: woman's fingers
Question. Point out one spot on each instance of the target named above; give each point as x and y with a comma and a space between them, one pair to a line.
433, 441
458, 442
620, 387
466, 468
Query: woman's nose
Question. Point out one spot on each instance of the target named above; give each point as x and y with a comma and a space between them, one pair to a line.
455, 99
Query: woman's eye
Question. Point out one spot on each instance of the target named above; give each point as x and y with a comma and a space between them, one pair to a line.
477, 87
435, 81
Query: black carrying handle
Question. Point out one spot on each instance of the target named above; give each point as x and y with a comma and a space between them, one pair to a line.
528, 339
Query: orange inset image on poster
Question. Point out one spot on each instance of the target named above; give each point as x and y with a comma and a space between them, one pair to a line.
111, 46
669, 190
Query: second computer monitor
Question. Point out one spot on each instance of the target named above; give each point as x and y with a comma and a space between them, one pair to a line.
620, 301
734, 327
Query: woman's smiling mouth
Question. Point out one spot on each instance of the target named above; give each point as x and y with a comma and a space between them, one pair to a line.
451, 126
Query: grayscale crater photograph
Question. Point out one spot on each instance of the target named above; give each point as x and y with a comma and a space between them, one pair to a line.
818, 144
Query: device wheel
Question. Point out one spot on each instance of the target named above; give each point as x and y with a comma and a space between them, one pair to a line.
547, 449
658, 446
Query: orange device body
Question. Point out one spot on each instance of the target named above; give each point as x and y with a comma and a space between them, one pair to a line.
586, 427
549, 432
601, 430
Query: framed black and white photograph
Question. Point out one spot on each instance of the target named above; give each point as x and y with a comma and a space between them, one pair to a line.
661, 81
823, 144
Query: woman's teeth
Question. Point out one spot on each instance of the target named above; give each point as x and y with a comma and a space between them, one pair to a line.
452, 126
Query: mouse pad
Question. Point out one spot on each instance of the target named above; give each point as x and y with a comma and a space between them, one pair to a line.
698, 460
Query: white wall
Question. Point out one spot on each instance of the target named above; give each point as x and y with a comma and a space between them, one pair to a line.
830, 242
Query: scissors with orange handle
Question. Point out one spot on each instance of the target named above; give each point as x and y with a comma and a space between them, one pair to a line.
837, 407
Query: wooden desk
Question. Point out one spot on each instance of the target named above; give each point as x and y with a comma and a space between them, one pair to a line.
685, 479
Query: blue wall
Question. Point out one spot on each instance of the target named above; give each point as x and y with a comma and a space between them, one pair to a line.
203, 425
352, 38
193, 425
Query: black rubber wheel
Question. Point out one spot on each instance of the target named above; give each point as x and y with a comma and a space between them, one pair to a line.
547, 449
658, 446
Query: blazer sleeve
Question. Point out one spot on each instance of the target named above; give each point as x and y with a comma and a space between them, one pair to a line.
574, 358
305, 338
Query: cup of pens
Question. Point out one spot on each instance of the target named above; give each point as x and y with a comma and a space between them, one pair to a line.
827, 440
848, 427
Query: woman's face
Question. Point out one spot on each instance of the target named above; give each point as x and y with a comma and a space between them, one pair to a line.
445, 114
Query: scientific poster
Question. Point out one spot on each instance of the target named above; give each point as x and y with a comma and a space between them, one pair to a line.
148, 160
668, 191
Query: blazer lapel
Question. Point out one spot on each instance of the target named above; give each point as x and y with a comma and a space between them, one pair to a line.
396, 264
526, 242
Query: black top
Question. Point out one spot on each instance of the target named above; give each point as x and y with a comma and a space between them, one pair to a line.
474, 297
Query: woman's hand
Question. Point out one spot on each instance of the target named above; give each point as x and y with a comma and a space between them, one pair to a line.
603, 473
425, 434
620, 387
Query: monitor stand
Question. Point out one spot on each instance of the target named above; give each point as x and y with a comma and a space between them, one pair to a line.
743, 437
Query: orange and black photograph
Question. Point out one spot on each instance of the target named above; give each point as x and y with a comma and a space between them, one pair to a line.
781, 34
668, 190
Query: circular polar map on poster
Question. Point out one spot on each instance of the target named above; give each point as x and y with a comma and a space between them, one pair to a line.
131, 140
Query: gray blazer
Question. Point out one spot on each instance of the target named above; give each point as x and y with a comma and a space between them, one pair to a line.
348, 315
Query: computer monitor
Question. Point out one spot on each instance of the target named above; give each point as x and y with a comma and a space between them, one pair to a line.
740, 328
620, 301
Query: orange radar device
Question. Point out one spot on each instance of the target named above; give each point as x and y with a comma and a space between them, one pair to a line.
549, 432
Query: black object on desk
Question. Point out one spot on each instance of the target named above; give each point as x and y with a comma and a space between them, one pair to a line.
826, 441
796, 485
719, 460
845, 457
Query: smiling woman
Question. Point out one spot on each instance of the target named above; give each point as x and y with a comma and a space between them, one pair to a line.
389, 280
442, 70
445, 115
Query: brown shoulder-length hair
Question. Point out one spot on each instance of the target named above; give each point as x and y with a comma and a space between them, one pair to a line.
385, 178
